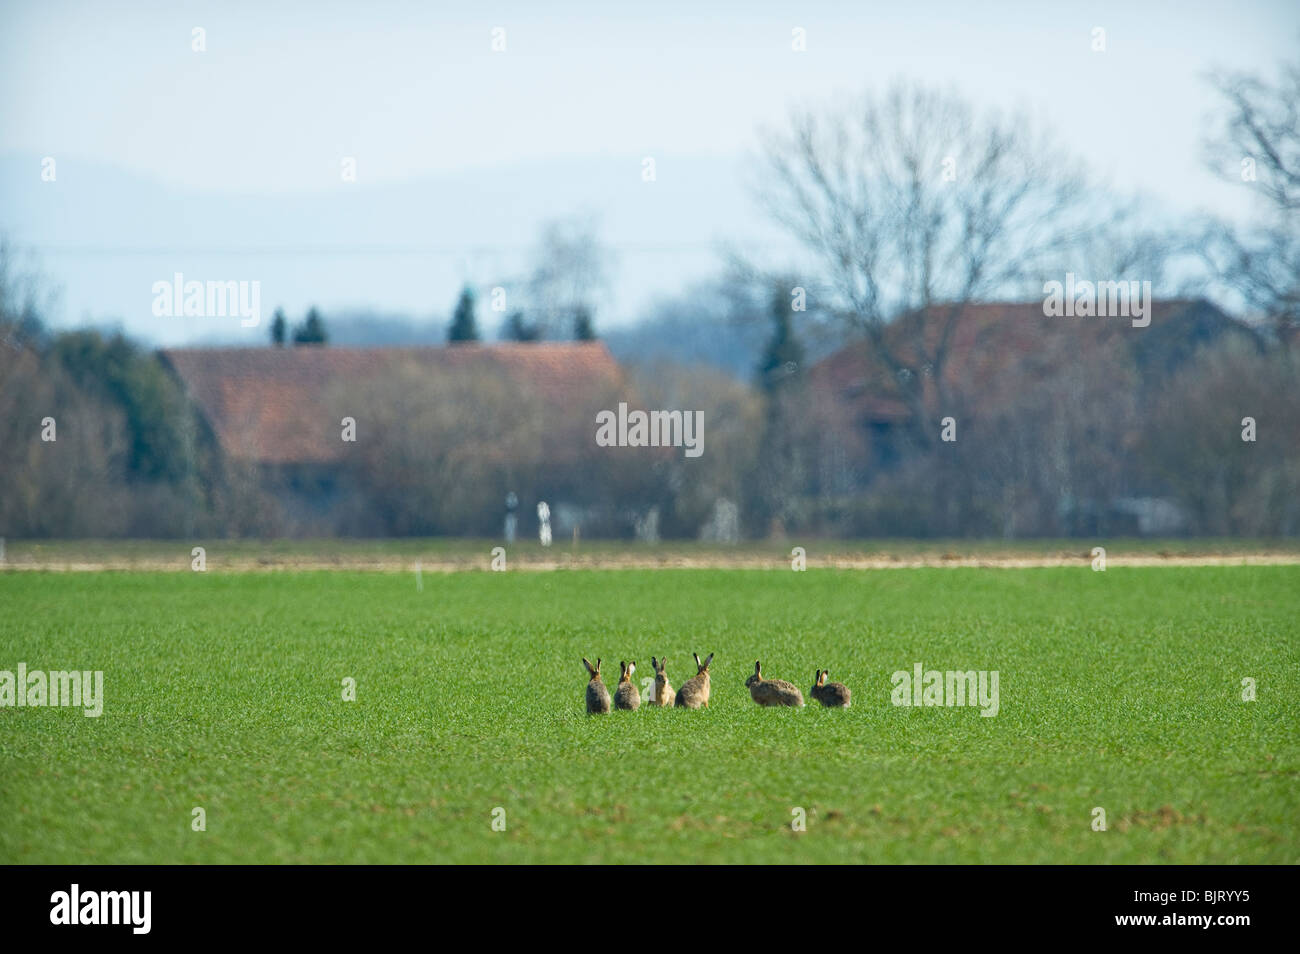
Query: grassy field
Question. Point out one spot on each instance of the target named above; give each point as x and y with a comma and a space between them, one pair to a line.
1119, 690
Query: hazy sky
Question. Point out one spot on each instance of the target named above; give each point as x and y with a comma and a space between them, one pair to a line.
414, 91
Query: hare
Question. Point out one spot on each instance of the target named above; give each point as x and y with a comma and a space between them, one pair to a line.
695, 691
772, 692
833, 695
663, 694
626, 695
597, 694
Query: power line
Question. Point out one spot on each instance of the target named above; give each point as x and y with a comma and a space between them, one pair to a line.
327, 250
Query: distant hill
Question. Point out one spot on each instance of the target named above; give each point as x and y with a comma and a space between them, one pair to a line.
103, 236
371, 329
734, 348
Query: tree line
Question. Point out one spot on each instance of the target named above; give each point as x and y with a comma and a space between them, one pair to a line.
910, 205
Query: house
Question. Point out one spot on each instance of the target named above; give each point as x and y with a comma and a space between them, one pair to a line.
1000, 359
998, 351
284, 413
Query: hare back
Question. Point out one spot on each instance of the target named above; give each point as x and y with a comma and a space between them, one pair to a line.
626, 696
776, 692
832, 694
694, 692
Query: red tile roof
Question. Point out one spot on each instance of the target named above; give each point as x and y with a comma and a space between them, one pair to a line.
999, 348
269, 404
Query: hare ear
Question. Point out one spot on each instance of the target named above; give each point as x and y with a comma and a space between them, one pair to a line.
825, 673
598, 665
587, 665
707, 661
757, 667
631, 667
697, 660
654, 664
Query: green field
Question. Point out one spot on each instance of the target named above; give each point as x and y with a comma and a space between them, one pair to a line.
1119, 690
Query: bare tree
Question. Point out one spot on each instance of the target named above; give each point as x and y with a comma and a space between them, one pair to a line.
24, 296
1258, 146
732, 413
434, 468
569, 279
914, 205
1192, 441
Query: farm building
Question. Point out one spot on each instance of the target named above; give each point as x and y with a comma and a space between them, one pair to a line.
1001, 363
459, 424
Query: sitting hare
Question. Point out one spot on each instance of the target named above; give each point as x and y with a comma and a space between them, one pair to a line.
626, 695
772, 692
833, 695
597, 694
663, 694
695, 691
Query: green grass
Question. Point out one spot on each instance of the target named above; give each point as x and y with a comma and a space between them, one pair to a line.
1118, 689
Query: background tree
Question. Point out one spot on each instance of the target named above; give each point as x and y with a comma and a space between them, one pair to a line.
584, 328
464, 325
279, 328
783, 357
689, 488
517, 328
311, 331
126, 461
436, 469
1192, 441
911, 203
570, 275
1257, 146
118, 372
780, 475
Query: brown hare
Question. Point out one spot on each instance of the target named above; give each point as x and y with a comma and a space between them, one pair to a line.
663, 694
695, 691
597, 694
833, 695
626, 695
772, 692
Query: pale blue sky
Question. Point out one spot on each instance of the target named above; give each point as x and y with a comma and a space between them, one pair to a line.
415, 93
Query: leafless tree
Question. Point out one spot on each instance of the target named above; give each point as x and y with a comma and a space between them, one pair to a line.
434, 468
732, 415
1192, 441
569, 278
1258, 147
913, 204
